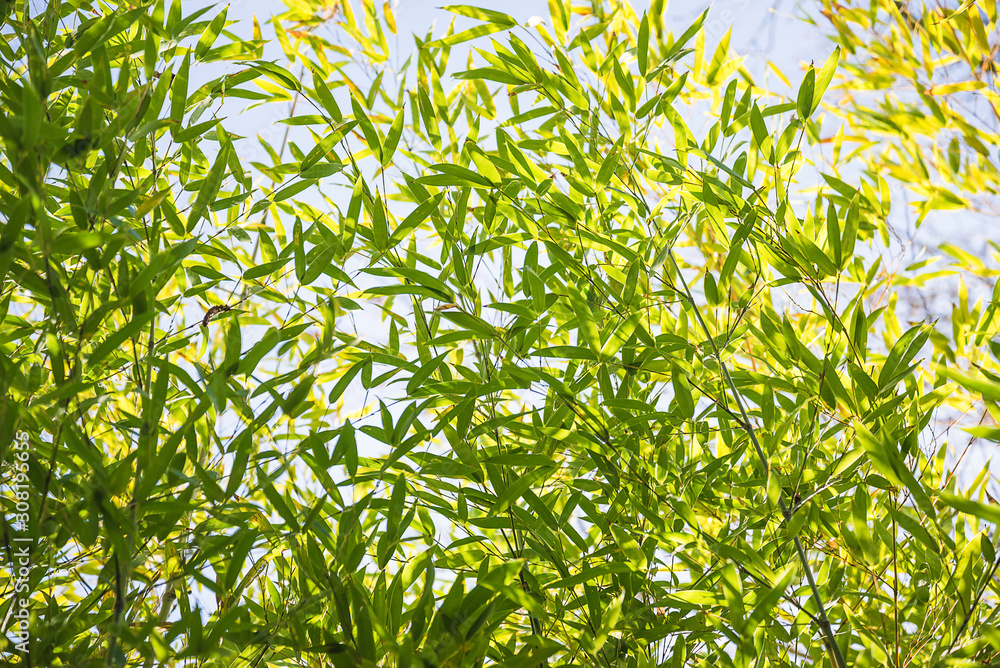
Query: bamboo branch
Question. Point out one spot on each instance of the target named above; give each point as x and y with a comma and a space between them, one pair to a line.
824, 622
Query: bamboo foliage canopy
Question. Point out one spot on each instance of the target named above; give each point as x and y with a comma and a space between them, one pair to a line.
558, 342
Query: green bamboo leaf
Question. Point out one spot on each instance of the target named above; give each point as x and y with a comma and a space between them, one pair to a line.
862, 525
902, 353
484, 163
419, 215
242, 545
115, 340
988, 512
481, 14
619, 336
631, 283
326, 98
454, 175
682, 393
642, 46
257, 352
675, 49
804, 102
717, 69
610, 163
291, 190
504, 75
351, 221
392, 138
179, 90
210, 34
371, 135
347, 448
299, 252
823, 79
209, 188
265, 269
760, 134
516, 489
345, 380
471, 323
424, 372
913, 527
711, 290
467, 35
887, 460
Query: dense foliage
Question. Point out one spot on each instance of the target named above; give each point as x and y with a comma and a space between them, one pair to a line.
498, 352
